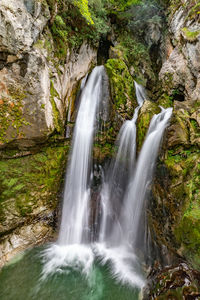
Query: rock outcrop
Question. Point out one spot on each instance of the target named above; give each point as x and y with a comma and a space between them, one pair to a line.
35, 89
180, 70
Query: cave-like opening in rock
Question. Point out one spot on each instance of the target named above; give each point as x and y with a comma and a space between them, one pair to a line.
103, 50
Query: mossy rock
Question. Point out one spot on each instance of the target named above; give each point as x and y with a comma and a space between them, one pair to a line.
122, 87
29, 185
145, 115
165, 101
188, 234
174, 282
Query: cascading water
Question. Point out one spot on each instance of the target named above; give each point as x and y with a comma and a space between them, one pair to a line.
122, 197
121, 169
119, 235
72, 248
137, 190
125, 265
75, 225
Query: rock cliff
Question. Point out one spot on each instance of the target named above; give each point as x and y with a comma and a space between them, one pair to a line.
35, 89
176, 192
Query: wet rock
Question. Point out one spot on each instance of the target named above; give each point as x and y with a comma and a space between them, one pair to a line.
176, 282
23, 238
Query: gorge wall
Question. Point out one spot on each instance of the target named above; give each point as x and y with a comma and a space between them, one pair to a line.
176, 190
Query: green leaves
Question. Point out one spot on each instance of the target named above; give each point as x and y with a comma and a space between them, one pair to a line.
84, 10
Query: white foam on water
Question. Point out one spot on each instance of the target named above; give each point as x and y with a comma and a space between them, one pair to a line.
123, 262
58, 258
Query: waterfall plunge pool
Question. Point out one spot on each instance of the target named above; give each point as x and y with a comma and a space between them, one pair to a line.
22, 279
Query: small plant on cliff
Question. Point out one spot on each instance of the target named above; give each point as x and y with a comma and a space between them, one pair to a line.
191, 36
84, 10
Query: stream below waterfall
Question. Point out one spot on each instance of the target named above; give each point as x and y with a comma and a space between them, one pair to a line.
21, 280
109, 266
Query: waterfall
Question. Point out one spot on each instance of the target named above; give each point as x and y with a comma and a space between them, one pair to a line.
137, 190
123, 194
121, 169
76, 208
122, 223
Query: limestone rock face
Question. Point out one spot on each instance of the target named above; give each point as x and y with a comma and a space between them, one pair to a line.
24, 237
21, 23
34, 91
180, 70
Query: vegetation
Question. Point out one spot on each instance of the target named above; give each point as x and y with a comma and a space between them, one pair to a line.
190, 35
28, 182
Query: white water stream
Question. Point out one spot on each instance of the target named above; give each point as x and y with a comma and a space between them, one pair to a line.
123, 194
119, 173
76, 209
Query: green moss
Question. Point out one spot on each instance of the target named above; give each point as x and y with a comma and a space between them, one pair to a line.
60, 35
31, 180
56, 114
191, 36
188, 234
39, 44
165, 101
122, 86
184, 169
103, 151
148, 110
